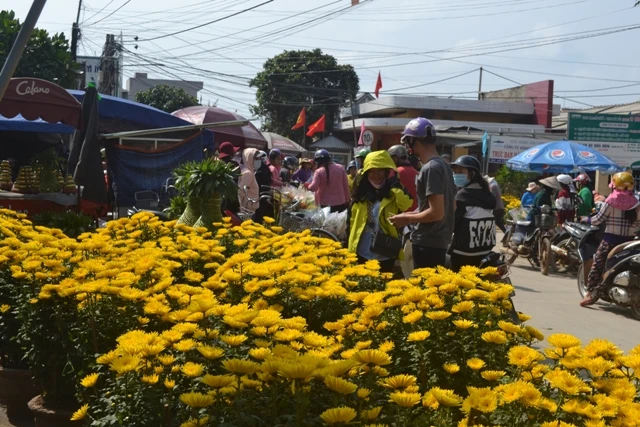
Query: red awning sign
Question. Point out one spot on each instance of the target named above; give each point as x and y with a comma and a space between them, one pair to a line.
39, 99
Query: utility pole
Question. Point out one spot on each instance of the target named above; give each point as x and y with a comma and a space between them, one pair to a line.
480, 86
110, 67
75, 34
11, 63
353, 118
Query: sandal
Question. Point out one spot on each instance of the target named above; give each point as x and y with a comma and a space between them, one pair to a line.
588, 300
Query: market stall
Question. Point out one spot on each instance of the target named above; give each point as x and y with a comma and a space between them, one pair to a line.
36, 117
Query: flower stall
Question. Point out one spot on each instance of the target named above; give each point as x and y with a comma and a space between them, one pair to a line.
34, 117
145, 323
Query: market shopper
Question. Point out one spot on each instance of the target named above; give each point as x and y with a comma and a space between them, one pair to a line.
360, 156
377, 197
352, 173
474, 233
529, 195
304, 174
620, 212
289, 166
435, 190
585, 207
275, 166
249, 192
406, 173
227, 152
499, 211
565, 203
330, 183
543, 197
263, 178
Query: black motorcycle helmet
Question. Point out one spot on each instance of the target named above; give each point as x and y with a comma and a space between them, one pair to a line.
468, 162
321, 156
290, 162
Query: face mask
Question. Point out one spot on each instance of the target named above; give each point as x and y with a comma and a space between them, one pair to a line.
257, 163
376, 186
460, 179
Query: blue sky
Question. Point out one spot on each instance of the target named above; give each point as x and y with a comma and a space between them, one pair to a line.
436, 40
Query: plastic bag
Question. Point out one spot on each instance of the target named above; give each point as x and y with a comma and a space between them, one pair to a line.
336, 224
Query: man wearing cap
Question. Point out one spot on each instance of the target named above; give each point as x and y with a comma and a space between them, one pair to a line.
436, 194
529, 195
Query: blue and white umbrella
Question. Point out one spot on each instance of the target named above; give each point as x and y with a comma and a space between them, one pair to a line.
562, 157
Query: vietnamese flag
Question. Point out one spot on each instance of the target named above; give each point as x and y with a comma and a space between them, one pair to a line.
302, 119
317, 126
378, 85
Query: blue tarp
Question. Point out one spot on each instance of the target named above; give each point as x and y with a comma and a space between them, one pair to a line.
19, 123
132, 171
150, 118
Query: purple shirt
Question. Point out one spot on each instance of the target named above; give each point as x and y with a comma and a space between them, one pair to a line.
302, 175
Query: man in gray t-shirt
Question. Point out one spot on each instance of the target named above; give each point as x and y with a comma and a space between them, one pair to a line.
436, 198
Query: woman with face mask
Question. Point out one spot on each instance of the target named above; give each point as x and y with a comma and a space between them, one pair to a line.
251, 162
375, 198
474, 232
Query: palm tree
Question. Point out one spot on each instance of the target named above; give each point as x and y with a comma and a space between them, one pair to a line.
205, 184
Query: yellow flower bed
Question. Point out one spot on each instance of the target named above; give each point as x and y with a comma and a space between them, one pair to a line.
510, 202
248, 327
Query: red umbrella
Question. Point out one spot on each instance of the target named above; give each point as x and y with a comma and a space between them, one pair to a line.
242, 136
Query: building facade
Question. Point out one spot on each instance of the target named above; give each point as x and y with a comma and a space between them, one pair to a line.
140, 83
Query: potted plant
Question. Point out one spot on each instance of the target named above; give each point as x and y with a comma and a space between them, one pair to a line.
16, 385
209, 181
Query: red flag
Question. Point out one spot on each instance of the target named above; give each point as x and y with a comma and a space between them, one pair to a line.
317, 126
362, 130
355, 2
302, 119
378, 85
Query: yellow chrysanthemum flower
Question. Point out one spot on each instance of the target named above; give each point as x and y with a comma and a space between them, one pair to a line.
492, 375
363, 393
406, 400
463, 307
170, 384
218, 381
418, 336
150, 379
339, 385
196, 400
90, 380
463, 323
80, 413
343, 414
475, 363
233, 340
371, 414
495, 337
451, 368
374, 357
239, 366
192, 370
200, 422
563, 341
413, 317
399, 382
446, 397
523, 356
438, 315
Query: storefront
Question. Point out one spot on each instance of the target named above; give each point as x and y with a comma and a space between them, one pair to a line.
37, 118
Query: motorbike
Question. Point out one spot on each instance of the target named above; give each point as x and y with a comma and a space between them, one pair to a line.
523, 238
563, 247
622, 270
497, 260
147, 201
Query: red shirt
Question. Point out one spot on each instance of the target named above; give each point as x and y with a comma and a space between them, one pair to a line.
408, 176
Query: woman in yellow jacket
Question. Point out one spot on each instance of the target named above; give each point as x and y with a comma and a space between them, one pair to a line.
375, 198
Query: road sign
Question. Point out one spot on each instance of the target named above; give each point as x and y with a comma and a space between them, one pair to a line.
603, 127
367, 138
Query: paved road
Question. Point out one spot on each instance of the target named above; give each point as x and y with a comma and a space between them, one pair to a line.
552, 301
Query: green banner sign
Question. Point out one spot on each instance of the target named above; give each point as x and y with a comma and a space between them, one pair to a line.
603, 127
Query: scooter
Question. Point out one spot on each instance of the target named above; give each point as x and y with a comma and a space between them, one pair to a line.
622, 270
523, 237
564, 247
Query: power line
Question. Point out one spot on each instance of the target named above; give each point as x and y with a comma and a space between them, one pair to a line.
207, 23
100, 20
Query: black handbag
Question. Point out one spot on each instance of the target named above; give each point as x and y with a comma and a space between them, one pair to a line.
385, 245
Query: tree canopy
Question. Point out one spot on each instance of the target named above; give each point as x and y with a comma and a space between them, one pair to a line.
45, 57
166, 98
302, 78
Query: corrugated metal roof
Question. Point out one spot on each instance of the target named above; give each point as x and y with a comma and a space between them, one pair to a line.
331, 143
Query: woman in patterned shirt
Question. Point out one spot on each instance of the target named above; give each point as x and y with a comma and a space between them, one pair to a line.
620, 212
